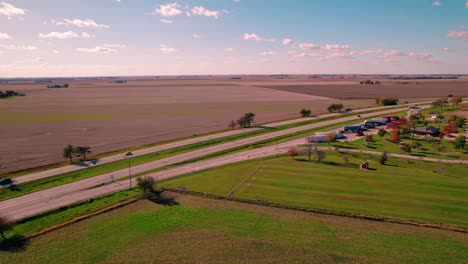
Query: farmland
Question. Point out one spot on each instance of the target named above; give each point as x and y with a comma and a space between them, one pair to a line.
200, 230
110, 117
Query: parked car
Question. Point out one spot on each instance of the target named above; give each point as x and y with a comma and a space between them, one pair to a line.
129, 153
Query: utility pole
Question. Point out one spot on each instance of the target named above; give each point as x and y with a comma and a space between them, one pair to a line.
130, 173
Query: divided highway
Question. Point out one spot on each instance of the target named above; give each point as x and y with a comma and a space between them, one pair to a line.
42, 201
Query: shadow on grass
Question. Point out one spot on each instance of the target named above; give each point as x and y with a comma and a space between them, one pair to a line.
16, 243
14, 188
162, 199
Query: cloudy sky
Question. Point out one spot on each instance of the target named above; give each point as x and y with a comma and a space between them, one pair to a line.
153, 37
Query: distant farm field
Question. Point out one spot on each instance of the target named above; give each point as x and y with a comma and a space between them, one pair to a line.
407, 189
199, 230
108, 116
414, 89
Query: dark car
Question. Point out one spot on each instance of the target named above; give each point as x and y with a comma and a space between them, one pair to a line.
6, 181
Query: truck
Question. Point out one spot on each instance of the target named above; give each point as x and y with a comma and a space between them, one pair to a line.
390, 118
354, 129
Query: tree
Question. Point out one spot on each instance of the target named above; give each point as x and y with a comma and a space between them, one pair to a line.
246, 120
458, 120
405, 147
395, 136
345, 158
147, 185
459, 142
383, 158
292, 153
335, 108
382, 132
386, 101
439, 105
68, 152
305, 112
320, 155
450, 129
83, 151
232, 124
5, 225
456, 100
330, 138
309, 146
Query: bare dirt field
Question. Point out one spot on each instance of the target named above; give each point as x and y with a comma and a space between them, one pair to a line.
389, 88
108, 116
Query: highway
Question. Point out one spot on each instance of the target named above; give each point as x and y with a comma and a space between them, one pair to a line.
144, 167
42, 201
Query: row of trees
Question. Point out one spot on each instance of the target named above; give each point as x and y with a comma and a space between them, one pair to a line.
80, 151
8, 94
58, 86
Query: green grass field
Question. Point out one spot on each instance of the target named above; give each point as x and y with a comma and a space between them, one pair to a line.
208, 231
408, 189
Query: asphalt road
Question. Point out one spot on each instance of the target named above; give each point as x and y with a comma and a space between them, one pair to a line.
42, 201
118, 157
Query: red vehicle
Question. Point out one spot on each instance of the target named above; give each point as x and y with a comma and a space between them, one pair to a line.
360, 133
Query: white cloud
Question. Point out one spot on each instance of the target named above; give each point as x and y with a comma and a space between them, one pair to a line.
269, 53
5, 36
201, 11
336, 47
166, 21
305, 55
14, 47
253, 36
463, 35
395, 53
168, 10
196, 36
287, 41
167, 50
55, 52
366, 52
228, 49
308, 46
101, 50
436, 3
423, 57
339, 55
9, 10
85, 35
466, 4
448, 49
88, 23
59, 35
115, 45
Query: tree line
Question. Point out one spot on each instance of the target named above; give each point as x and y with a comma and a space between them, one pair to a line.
58, 86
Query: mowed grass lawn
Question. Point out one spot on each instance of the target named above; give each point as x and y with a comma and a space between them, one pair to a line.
409, 189
199, 230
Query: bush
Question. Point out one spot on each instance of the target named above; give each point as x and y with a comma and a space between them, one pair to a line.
305, 112
330, 137
386, 101
460, 142
382, 132
405, 147
147, 185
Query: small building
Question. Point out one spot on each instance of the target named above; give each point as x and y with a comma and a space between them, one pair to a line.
427, 131
433, 116
364, 166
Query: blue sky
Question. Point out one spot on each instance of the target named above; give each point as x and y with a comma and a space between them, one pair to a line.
137, 37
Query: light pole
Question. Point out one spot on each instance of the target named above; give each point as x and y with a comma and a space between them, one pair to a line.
130, 172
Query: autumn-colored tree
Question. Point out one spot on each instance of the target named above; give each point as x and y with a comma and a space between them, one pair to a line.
395, 136
450, 129
456, 100
292, 153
